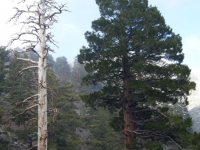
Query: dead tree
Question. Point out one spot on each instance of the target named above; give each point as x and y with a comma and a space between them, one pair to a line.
41, 17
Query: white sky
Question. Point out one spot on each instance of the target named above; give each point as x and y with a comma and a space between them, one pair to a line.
181, 15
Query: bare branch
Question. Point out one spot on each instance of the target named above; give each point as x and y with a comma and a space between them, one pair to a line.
60, 9
18, 36
32, 119
49, 37
19, 13
27, 109
28, 60
32, 147
49, 49
145, 121
30, 67
32, 48
25, 100
174, 142
24, 41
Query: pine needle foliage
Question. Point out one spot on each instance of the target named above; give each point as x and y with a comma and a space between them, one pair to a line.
138, 59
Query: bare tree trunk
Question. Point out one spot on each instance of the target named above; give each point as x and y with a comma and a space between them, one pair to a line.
42, 91
42, 16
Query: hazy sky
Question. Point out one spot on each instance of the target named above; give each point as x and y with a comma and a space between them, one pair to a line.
181, 15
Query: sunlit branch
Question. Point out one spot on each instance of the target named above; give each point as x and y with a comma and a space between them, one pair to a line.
28, 60
30, 67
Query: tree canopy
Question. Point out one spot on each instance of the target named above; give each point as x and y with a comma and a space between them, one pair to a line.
138, 59
4, 57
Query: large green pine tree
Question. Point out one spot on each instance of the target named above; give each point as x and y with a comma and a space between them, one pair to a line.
138, 59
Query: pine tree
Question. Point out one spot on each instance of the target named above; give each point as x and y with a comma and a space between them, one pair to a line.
63, 121
19, 86
104, 137
4, 58
78, 71
138, 59
63, 69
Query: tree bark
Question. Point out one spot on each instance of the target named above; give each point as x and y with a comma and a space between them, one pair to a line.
42, 91
128, 123
128, 126
128, 117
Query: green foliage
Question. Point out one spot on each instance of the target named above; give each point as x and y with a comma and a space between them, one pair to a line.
62, 125
138, 59
19, 86
148, 144
152, 145
2, 110
4, 58
116, 123
104, 137
195, 141
61, 97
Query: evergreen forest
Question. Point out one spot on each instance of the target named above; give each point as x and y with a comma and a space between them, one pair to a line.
126, 90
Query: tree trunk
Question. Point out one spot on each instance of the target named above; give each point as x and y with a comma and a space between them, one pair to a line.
128, 120
128, 117
42, 91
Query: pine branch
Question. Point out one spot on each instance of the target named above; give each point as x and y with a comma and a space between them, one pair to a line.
150, 133
156, 110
